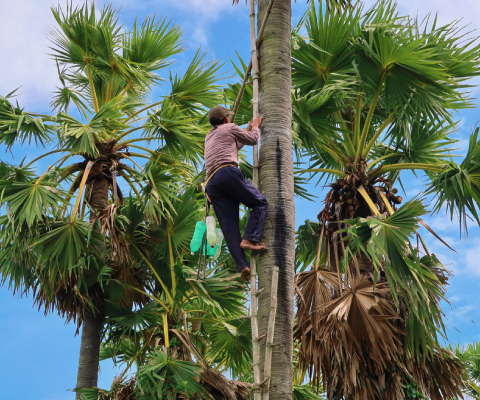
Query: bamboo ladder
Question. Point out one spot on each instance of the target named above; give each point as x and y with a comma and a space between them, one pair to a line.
261, 387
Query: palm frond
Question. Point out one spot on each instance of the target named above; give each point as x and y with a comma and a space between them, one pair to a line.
17, 125
64, 244
152, 43
30, 202
197, 90
161, 369
458, 188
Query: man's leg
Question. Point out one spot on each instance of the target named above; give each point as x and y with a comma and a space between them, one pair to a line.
230, 184
227, 212
256, 201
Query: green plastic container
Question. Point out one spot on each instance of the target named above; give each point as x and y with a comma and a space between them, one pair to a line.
196, 242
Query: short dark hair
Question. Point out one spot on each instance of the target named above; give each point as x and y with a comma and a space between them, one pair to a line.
216, 121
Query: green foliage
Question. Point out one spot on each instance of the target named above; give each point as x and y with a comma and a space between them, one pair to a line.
197, 88
375, 86
30, 202
305, 392
164, 378
230, 344
412, 392
152, 43
307, 245
458, 187
62, 246
18, 125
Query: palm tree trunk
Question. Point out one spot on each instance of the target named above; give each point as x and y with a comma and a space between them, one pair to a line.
87, 375
276, 182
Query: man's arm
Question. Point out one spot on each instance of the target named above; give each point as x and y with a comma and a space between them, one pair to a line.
250, 135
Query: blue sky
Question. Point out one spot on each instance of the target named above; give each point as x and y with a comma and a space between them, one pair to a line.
38, 353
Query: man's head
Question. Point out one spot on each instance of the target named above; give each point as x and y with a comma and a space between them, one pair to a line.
218, 115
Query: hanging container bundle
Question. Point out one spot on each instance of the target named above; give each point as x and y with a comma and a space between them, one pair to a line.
207, 233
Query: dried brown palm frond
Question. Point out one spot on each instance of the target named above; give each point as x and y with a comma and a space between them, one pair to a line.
313, 288
118, 247
242, 389
438, 375
361, 337
355, 342
120, 390
218, 386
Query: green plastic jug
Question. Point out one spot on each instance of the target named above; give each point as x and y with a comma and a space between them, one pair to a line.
198, 235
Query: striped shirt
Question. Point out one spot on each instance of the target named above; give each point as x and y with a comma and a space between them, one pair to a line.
223, 142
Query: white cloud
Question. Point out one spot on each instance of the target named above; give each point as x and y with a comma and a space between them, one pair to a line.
472, 258
207, 7
441, 223
198, 16
447, 10
24, 26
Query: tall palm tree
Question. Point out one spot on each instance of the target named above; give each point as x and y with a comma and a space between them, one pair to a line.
276, 183
373, 96
68, 234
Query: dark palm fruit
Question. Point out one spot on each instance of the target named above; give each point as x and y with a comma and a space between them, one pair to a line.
349, 201
397, 199
395, 191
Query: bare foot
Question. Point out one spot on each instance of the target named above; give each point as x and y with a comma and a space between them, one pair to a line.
245, 274
249, 245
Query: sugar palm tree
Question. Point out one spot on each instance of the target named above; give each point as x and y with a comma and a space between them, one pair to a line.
374, 95
181, 348
68, 235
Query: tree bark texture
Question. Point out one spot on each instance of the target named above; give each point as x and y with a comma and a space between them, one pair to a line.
276, 183
87, 375
99, 199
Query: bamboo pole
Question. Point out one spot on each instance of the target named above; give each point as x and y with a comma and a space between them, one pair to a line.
267, 370
250, 65
253, 261
254, 321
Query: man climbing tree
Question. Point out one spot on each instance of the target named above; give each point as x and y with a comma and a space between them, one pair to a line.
227, 187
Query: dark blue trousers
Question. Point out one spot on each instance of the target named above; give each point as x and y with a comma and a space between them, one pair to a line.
227, 189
